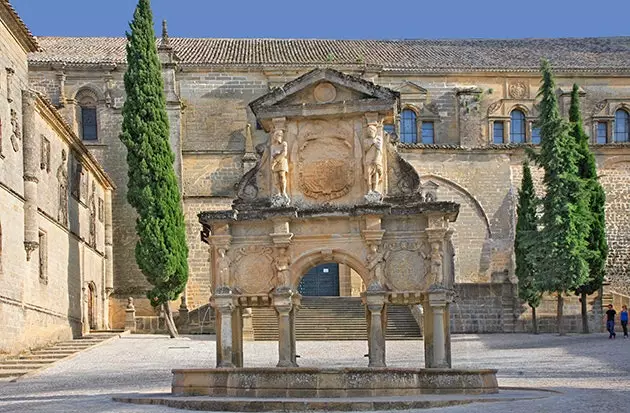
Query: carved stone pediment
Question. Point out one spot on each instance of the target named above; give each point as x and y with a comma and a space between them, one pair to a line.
322, 92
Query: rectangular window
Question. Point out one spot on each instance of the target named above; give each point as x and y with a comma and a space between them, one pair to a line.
88, 123
602, 132
43, 257
497, 133
536, 135
428, 134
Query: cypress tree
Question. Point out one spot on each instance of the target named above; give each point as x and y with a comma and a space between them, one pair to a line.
526, 228
161, 251
597, 245
561, 249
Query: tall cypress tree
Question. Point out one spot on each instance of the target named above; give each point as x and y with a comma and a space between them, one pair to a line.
161, 250
597, 245
526, 229
561, 250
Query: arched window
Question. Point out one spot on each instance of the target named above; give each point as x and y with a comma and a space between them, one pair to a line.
408, 129
517, 127
622, 126
88, 127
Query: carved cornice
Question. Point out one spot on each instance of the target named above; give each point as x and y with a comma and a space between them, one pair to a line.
16, 26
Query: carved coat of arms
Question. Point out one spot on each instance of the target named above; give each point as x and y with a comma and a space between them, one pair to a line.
326, 168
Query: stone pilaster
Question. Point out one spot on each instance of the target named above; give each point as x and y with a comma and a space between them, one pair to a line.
437, 346
237, 337
375, 303
31, 153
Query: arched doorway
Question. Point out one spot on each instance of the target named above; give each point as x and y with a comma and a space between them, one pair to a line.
321, 280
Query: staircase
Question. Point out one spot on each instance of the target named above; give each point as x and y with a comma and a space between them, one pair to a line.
334, 318
200, 321
14, 367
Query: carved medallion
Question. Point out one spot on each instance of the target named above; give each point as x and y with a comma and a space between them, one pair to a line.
324, 93
406, 270
326, 168
600, 106
518, 90
253, 270
494, 107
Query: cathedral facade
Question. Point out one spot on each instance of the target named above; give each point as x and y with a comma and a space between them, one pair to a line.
468, 108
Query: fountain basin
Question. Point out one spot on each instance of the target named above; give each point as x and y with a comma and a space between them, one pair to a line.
331, 382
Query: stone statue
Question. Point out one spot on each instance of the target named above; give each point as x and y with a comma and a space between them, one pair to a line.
62, 177
375, 260
223, 268
373, 161
436, 263
282, 262
92, 205
279, 166
16, 133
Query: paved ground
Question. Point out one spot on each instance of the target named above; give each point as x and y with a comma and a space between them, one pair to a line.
591, 372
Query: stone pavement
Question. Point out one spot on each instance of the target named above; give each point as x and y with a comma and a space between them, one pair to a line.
591, 372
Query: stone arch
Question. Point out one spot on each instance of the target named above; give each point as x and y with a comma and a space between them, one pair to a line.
88, 91
310, 259
472, 236
519, 106
463, 192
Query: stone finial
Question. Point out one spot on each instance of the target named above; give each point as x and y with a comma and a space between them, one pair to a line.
165, 40
130, 305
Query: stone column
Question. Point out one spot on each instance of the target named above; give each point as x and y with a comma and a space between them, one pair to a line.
109, 252
224, 306
237, 337
286, 342
30, 146
375, 302
437, 347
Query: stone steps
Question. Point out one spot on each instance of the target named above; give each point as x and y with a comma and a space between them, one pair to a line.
334, 318
14, 367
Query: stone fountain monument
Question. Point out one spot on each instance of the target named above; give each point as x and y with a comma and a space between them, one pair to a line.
330, 186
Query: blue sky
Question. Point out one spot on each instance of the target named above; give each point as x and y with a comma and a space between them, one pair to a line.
342, 19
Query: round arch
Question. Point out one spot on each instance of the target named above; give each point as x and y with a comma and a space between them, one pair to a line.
312, 258
88, 91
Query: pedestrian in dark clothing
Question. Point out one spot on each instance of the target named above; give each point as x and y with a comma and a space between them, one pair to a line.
623, 316
610, 321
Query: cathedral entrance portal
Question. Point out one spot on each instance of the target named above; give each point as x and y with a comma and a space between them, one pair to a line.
321, 280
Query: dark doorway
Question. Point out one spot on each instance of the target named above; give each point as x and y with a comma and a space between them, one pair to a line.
322, 280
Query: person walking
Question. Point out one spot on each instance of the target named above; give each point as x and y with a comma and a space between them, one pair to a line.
623, 317
610, 321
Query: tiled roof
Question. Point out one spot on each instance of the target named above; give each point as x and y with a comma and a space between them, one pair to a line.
29, 40
571, 54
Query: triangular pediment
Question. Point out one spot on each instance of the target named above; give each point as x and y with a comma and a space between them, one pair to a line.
323, 91
408, 87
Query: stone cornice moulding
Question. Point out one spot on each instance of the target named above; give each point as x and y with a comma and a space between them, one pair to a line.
17, 28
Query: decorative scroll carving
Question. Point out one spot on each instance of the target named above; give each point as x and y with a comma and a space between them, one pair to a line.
326, 168
254, 260
16, 132
62, 178
518, 90
403, 178
247, 189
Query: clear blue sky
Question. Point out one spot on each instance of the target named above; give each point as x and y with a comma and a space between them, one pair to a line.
342, 19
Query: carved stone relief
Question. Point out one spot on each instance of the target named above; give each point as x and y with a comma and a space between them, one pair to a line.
402, 177
10, 73
494, 107
16, 132
224, 262
282, 261
62, 178
44, 162
326, 167
518, 90
406, 265
324, 92
373, 160
279, 167
254, 260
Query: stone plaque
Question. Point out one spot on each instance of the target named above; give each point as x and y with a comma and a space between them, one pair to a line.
406, 271
253, 270
326, 168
